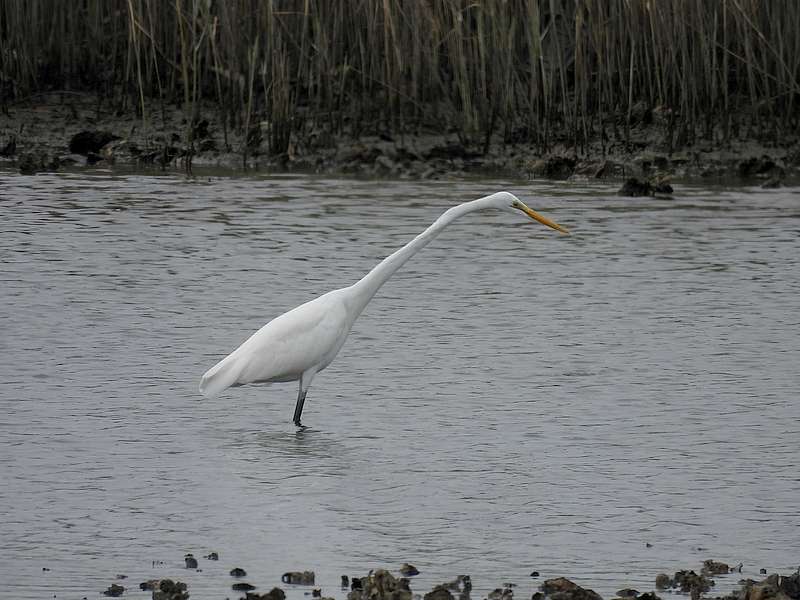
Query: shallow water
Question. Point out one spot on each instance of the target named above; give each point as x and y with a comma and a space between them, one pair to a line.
512, 400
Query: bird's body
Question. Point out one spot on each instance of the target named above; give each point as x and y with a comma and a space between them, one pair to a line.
303, 341
308, 336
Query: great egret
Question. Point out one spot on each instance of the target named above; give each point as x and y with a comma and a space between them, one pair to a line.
300, 343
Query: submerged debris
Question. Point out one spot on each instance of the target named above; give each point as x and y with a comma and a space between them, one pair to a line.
298, 578
380, 585
114, 590
243, 587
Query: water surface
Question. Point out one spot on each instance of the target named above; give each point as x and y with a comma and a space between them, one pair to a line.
512, 400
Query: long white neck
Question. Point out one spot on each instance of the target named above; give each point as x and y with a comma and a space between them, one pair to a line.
363, 291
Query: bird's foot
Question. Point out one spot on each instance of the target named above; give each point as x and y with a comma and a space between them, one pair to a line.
299, 425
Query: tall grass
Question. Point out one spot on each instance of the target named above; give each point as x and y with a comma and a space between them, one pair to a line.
542, 71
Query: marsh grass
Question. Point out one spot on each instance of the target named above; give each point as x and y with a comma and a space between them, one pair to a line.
540, 71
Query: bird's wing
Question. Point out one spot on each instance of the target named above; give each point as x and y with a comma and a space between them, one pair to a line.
306, 337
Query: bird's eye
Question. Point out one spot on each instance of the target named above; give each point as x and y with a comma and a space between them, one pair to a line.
515, 204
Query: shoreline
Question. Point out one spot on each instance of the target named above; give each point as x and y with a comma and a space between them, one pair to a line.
381, 584
62, 130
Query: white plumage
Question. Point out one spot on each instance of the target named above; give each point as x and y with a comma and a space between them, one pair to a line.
300, 343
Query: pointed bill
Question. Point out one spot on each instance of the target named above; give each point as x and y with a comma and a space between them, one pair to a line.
542, 219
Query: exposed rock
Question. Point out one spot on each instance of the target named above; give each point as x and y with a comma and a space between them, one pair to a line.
165, 589
660, 184
298, 578
561, 588
440, 592
552, 167
774, 587
755, 165
191, 561
355, 583
358, 156
712, 567
592, 169
635, 187
663, 581
114, 590
534, 573
170, 590
30, 164
87, 142
451, 151
345, 581
692, 583
149, 585
501, 594
275, 593
381, 585
627, 593
237, 572
408, 570
316, 593
212, 556
10, 148
462, 584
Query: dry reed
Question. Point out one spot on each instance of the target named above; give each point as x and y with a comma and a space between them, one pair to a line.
533, 70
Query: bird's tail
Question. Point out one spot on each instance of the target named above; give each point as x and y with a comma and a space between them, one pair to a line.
220, 377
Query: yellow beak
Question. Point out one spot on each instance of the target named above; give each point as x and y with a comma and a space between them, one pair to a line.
542, 219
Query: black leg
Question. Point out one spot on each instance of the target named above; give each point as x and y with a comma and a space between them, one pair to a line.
298, 409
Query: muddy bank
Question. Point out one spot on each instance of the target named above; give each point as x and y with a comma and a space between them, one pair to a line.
53, 131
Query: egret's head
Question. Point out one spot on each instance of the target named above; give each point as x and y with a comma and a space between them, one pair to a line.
511, 203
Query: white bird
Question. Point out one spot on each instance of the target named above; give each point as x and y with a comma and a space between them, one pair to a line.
300, 343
